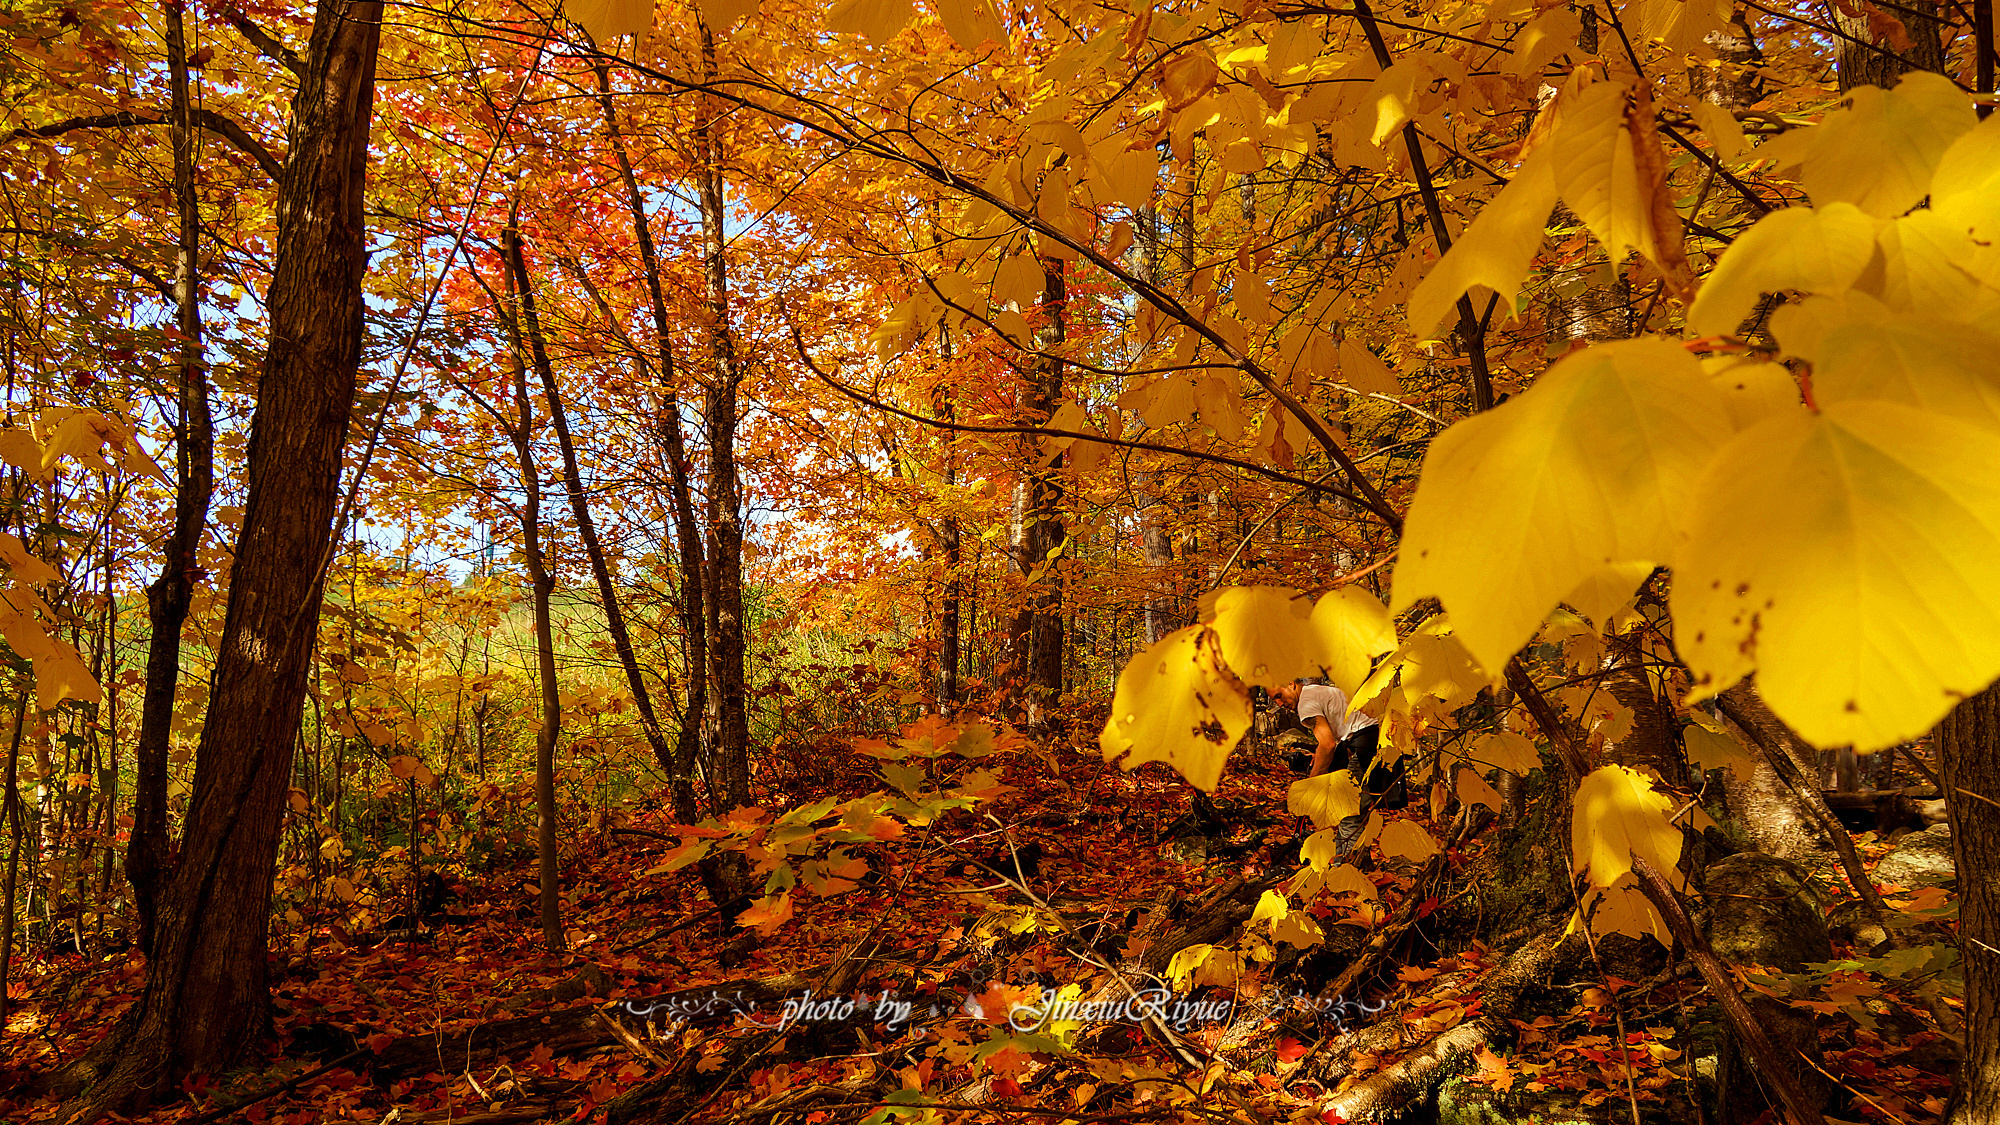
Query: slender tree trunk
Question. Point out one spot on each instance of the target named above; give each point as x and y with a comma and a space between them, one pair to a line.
728, 766
206, 1001
951, 594
168, 597
1969, 744
693, 560
543, 586
10, 809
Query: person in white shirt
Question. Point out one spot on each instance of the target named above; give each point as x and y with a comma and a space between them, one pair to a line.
1323, 710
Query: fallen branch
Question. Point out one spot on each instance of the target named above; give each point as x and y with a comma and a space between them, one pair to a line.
1771, 1063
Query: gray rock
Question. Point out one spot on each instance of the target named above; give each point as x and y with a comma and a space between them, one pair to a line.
1923, 859
1849, 923
1763, 912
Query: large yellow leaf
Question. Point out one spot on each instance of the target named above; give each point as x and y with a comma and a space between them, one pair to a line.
1176, 704
1407, 838
1267, 634
1818, 251
61, 674
1965, 194
1597, 171
1618, 814
1879, 153
25, 567
1354, 628
1709, 747
1495, 250
1587, 469
606, 20
1325, 799
1473, 790
1132, 173
1362, 370
879, 20
1392, 97
971, 23
1624, 909
1508, 751
1951, 369
1925, 257
1868, 596
721, 15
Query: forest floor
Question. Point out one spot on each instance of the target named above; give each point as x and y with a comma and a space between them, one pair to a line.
1534, 1034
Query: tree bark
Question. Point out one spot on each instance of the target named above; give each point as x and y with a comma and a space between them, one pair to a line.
1864, 61
542, 585
693, 559
147, 859
728, 766
206, 1001
1038, 627
1969, 743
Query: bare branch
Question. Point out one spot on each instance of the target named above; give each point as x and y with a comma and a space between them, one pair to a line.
266, 43
221, 126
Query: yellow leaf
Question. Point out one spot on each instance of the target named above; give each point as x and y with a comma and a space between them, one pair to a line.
1267, 635
1221, 404
1550, 34
1724, 132
1253, 297
1176, 704
1508, 751
1753, 390
1325, 799
768, 913
404, 766
341, 888
1920, 361
1186, 77
971, 23
1392, 97
1869, 599
1597, 171
1589, 468
61, 674
25, 567
1965, 194
1162, 402
20, 449
79, 435
1408, 839
606, 20
1270, 905
1354, 627
1362, 370
1132, 173
1879, 153
1617, 815
1298, 928
1925, 257
1473, 790
1184, 963
1608, 590
1495, 251
1710, 747
879, 20
1819, 251
1348, 879
1624, 909
721, 15
1019, 280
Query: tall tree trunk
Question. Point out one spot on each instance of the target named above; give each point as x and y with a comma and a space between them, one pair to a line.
1038, 628
693, 560
543, 586
728, 765
194, 479
207, 996
1969, 744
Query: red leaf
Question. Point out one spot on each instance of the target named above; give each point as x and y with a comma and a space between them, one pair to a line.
1006, 1088
1425, 908
1290, 1050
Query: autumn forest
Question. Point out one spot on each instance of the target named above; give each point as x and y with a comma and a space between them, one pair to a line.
1215, 561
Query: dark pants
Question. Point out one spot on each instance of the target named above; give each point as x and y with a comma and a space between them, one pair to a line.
1387, 787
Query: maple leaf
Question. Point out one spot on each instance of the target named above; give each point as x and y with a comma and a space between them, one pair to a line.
1291, 1050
